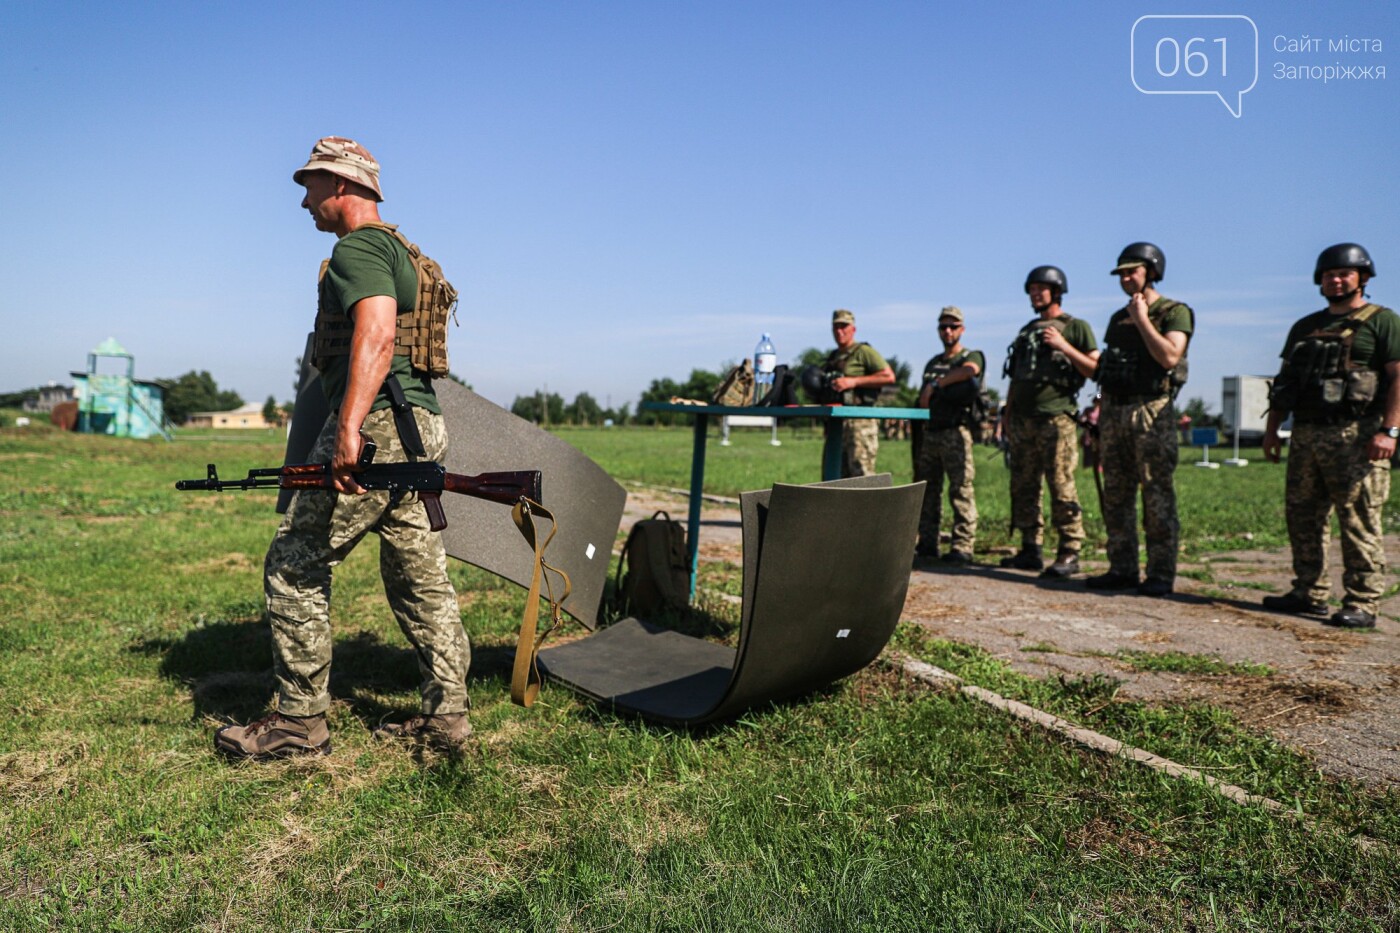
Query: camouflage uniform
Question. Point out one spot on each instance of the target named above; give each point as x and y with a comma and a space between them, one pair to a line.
1138, 447
948, 452
1043, 434
1045, 448
860, 437
1137, 443
946, 448
1328, 469
860, 442
320, 529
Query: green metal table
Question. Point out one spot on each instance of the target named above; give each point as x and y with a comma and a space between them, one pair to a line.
831, 451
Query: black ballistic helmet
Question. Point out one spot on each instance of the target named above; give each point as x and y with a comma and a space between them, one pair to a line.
1146, 253
1053, 276
1343, 256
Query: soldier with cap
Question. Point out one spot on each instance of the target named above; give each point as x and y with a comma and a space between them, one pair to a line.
952, 381
380, 336
1142, 368
1047, 364
1341, 382
862, 372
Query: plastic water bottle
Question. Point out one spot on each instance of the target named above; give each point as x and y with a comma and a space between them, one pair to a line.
765, 358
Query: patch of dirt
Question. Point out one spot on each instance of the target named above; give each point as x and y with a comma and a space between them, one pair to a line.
1334, 693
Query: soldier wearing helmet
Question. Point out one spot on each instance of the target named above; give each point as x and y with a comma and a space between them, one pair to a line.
1340, 380
952, 381
1047, 364
377, 344
1142, 368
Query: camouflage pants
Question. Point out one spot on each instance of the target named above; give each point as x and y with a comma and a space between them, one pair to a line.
1328, 469
320, 529
1138, 447
860, 442
948, 453
1045, 449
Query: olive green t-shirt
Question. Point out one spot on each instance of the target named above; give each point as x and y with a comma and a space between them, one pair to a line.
1122, 332
1039, 399
863, 360
365, 263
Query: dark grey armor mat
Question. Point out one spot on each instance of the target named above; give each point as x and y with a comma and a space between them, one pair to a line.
483, 438
826, 571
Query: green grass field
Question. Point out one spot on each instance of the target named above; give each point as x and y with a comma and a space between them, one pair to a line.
132, 625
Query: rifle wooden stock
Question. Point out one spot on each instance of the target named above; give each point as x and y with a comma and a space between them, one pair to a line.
427, 478
506, 487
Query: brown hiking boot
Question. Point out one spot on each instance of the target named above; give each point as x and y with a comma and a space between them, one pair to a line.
275, 736
444, 731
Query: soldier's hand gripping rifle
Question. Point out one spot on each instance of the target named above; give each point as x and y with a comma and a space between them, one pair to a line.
426, 477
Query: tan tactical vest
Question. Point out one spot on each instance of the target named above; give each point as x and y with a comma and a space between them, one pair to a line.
421, 335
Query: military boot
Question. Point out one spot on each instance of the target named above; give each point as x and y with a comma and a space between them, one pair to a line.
1065, 566
443, 731
1351, 617
275, 736
1028, 558
1298, 605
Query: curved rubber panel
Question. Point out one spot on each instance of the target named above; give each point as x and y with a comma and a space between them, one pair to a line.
586, 500
483, 438
826, 573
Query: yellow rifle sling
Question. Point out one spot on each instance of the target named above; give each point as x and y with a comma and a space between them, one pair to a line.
525, 672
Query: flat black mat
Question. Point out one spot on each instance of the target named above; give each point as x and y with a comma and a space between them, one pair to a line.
826, 571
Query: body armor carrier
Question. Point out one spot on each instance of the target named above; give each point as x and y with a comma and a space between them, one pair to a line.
1029, 359
420, 335
953, 406
1131, 371
836, 363
1319, 382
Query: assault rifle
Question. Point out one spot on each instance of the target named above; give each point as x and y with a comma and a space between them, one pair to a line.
426, 477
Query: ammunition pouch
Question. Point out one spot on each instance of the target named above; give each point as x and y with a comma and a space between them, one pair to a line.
951, 407
1030, 359
1319, 383
420, 335
1125, 372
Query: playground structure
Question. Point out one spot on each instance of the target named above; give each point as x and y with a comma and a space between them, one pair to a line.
118, 403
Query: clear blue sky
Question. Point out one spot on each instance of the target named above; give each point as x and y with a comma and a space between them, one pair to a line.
629, 190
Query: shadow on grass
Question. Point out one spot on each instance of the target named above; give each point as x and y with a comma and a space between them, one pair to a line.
227, 667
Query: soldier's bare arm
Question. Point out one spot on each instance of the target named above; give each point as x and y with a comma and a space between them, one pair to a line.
1167, 348
883, 377
1382, 446
371, 350
1273, 445
1084, 363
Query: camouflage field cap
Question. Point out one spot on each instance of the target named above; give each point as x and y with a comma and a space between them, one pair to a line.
346, 158
842, 316
951, 313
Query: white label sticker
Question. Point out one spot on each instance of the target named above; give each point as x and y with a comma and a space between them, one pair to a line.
842, 633
589, 552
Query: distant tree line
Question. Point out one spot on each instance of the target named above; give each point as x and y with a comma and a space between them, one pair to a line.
196, 391
546, 408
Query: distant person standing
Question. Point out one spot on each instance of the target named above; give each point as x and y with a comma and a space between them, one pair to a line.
1047, 365
1341, 382
1142, 368
952, 381
862, 372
